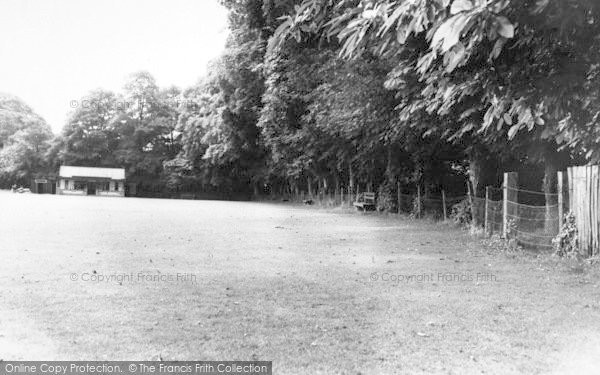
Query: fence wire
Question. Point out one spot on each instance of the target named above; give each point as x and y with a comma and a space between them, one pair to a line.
430, 205
533, 219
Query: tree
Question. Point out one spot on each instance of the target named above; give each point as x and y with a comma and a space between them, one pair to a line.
89, 138
485, 71
221, 140
15, 115
24, 139
146, 129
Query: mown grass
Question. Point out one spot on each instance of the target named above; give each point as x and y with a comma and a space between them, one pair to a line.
283, 283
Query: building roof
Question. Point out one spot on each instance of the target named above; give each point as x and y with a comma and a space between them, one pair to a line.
68, 171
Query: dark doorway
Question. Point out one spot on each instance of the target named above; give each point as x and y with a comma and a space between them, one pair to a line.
40, 188
91, 188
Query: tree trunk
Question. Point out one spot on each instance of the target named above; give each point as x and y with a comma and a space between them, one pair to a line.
483, 171
549, 188
351, 178
475, 171
319, 186
369, 188
336, 180
389, 170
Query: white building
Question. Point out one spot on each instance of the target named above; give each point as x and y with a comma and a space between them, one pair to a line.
91, 181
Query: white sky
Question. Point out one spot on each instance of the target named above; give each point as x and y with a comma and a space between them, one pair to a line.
55, 51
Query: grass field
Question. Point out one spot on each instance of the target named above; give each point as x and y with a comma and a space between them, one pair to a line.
314, 291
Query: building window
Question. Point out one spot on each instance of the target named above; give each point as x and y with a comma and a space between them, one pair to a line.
116, 186
79, 185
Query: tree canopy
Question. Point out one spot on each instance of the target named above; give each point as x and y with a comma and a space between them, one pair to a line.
24, 139
361, 94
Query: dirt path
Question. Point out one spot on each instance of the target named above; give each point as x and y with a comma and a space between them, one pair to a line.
314, 291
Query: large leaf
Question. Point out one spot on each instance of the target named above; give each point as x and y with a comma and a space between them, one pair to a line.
453, 58
505, 28
449, 32
461, 6
513, 131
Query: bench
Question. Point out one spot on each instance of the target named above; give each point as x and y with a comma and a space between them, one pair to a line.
365, 201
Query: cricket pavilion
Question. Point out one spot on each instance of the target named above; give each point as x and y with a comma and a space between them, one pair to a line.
91, 181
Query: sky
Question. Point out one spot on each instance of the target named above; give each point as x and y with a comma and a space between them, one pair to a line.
53, 52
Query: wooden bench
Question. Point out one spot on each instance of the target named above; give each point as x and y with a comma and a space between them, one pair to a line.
365, 201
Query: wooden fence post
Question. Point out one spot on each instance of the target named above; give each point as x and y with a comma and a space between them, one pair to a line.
509, 194
419, 201
486, 224
570, 183
473, 213
399, 199
444, 204
559, 190
349, 196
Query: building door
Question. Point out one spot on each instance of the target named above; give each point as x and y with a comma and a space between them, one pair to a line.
40, 188
91, 188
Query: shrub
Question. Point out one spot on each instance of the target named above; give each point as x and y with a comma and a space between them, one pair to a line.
415, 207
511, 229
566, 243
386, 197
461, 212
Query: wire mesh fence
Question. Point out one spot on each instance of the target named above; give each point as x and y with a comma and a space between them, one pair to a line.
494, 224
531, 218
430, 205
330, 199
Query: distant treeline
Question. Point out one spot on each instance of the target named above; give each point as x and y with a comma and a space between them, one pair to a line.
318, 95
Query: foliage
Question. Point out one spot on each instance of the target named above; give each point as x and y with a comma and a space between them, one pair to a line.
516, 77
88, 136
134, 130
461, 213
566, 242
322, 94
220, 138
466, 58
24, 139
387, 198
511, 229
417, 207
